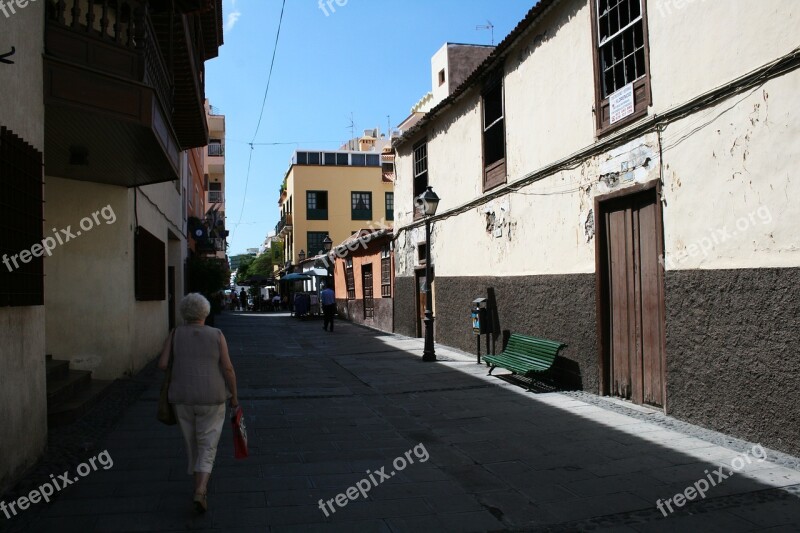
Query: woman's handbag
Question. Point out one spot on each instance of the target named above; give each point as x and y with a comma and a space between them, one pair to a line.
166, 412
239, 434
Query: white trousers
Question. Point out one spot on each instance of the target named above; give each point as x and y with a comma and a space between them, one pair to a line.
201, 426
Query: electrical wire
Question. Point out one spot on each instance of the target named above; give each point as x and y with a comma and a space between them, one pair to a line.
752, 80
260, 117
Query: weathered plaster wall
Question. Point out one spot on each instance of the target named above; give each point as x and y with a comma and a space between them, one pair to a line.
23, 396
90, 279
704, 44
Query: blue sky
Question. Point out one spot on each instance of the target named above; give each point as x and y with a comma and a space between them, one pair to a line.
370, 58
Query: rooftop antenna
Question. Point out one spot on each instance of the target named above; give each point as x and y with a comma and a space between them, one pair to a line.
352, 127
389, 126
488, 26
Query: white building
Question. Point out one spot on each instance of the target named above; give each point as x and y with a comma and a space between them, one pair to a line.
619, 176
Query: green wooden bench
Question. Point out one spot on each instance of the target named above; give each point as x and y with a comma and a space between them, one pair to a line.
525, 355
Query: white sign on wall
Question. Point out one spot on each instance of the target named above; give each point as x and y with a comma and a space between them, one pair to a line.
621, 103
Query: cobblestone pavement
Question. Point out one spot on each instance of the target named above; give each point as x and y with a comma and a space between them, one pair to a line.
460, 451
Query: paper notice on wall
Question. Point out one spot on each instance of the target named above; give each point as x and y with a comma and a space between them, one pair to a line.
621, 103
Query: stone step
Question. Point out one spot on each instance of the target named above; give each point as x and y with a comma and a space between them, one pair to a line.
62, 389
56, 369
70, 410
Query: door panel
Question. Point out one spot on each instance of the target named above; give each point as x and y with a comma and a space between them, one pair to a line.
368, 288
635, 299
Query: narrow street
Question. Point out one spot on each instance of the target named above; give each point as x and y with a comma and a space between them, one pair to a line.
324, 410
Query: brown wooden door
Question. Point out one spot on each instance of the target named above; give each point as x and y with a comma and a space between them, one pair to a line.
635, 292
368, 288
421, 301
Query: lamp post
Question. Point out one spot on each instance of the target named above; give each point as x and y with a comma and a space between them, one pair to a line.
327, 245
427, 203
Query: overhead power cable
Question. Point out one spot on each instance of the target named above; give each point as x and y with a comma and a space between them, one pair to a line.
260, 116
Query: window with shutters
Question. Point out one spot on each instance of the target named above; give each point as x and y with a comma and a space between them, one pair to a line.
420, 171
350, 278
621, 58
22, 268
386, 272
317, 205
151, 266
389, 206
315, 242
361, 206
494, 132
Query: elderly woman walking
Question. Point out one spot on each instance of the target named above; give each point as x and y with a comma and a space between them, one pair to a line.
202, 380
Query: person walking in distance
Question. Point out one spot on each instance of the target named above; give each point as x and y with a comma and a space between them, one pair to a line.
203, 379
328, 298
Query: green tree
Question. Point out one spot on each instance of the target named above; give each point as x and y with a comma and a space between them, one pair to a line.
243, 273
208, 277
262, 266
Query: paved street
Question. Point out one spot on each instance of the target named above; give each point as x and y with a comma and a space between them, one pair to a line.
484, 455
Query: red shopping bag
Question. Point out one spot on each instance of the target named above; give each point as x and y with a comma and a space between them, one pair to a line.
239, 434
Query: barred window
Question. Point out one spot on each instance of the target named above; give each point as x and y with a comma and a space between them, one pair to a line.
420, 167
621, 56
22, 271
350, 278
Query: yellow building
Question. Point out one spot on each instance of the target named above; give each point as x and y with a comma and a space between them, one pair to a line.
334, 193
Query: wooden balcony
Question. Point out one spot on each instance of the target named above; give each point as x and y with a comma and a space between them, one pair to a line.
111, 95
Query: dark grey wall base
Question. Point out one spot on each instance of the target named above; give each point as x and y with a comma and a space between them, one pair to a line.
405, 306
560, 308
732, 352
733, 338
353, 310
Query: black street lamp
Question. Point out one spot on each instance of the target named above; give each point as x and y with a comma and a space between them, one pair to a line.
327, 245
427, 203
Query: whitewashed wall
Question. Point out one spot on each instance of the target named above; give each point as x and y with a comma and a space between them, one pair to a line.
737, 166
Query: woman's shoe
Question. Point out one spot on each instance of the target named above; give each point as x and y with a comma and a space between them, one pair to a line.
200, 502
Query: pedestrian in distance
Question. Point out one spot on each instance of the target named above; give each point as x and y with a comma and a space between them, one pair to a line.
243, 299
328, 298
202, 380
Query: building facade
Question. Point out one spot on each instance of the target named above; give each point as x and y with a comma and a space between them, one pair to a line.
334, 193
617, 176
364, 279
23, 396
107, 118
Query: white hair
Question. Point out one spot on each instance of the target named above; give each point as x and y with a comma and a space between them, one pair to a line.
195, 307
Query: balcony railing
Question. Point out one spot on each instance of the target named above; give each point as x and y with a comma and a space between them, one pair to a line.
284, 227
123, 24
216, 197
216, 150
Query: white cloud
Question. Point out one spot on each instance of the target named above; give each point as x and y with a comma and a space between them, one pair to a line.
233, 16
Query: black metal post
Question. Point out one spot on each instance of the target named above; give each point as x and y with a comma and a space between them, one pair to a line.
428, 354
